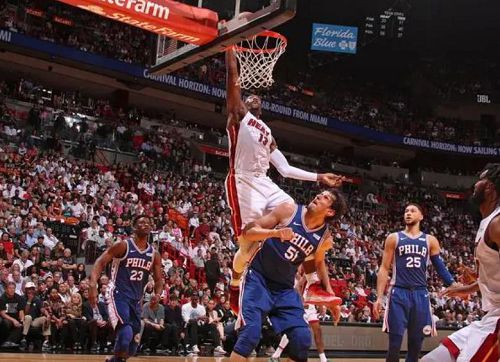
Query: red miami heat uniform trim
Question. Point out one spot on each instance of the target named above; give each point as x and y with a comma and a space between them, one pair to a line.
488, 352
231, 191
451, 346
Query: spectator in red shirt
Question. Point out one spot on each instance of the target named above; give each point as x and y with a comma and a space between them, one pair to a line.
202, 231
8, 245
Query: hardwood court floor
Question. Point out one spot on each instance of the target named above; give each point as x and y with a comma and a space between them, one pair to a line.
37, 357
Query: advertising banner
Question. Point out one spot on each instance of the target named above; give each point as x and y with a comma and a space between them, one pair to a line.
334, 38
454, 195
214, 150
173, 19
63, 21
34, 12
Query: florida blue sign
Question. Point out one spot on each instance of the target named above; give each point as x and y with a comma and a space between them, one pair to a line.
334, 38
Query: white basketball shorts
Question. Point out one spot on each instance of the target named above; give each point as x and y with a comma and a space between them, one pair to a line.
476, 342
251, 197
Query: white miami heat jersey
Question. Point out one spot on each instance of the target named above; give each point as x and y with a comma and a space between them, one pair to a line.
489, 267
250, 145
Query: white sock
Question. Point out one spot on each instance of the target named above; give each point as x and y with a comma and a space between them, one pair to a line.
322, 357
277, 353
281, 347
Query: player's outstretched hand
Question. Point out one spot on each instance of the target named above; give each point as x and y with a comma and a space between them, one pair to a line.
377, 308
331, 179
456, 290
285, 234
467, 275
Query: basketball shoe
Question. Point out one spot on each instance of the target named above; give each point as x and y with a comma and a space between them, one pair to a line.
315, 294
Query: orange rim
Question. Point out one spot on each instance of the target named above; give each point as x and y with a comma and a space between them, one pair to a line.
268, 33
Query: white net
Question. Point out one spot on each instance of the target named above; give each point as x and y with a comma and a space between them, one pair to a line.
257, 57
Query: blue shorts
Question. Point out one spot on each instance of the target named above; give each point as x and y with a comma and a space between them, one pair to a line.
284, 306
125, 311
409, 309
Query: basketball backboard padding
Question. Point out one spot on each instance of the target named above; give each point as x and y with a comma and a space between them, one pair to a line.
230, 33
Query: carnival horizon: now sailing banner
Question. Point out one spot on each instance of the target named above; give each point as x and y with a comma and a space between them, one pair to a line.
169, 18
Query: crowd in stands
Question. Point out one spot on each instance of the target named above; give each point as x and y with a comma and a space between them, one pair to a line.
44, 290
368, 105
93, 123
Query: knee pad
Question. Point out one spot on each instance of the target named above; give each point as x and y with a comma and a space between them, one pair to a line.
123, 338
248, 339
299, 343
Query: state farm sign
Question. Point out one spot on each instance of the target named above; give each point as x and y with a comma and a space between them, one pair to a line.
169, 18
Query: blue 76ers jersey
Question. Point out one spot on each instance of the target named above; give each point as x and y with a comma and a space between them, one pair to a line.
130, 274
411, 258
277, 261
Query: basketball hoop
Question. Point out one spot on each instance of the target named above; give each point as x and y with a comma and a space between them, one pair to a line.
257, 57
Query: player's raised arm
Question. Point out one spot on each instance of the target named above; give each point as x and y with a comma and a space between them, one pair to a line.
117, 250
264, 227
236, 108
279, 161
383, 272
437, 262
320, 264
321, 269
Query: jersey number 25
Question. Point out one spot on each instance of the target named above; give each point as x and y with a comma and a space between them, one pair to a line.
413, 262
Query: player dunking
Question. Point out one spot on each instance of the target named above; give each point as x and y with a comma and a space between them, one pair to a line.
249, 191
480, 341
292, 234
408, 308
133, 261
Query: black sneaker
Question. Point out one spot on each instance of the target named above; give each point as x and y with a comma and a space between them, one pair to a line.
23, 344
164, 352
46, 346
9, 344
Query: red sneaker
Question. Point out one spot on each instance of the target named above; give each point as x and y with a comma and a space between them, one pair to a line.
234, 298
315, 294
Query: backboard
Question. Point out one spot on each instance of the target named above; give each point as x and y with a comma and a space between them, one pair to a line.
172, 55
